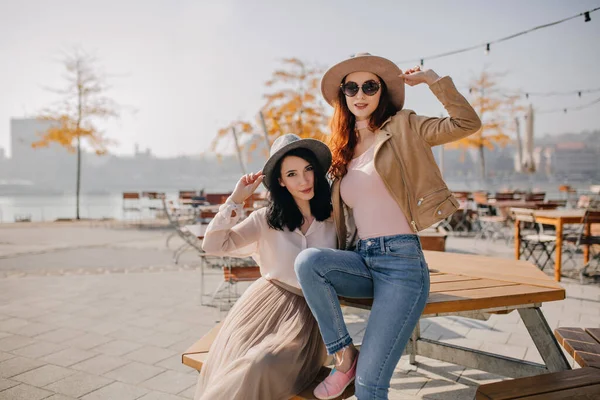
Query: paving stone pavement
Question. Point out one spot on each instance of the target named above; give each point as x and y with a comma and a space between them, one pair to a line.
73, 330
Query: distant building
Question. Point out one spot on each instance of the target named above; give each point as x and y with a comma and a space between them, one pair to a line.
575, 160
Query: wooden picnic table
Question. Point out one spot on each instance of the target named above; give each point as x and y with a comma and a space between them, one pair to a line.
475, 286
558, 218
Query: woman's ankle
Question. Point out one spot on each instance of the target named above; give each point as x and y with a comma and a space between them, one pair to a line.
345, 358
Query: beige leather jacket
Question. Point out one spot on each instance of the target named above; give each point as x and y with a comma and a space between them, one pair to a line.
404, 160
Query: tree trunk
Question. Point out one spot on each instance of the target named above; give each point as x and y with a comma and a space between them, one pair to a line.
265, 131
239, 151
78, 176
482, 162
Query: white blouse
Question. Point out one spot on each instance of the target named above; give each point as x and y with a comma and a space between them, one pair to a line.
273, 250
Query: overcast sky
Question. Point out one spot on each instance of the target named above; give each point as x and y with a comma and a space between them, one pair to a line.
190, 67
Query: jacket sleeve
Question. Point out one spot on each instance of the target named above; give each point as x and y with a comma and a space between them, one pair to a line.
462, 121
225, 237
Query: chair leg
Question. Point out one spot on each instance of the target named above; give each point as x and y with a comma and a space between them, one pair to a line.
182, 249
548, 250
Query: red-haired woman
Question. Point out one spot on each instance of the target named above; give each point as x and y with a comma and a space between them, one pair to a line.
386, 188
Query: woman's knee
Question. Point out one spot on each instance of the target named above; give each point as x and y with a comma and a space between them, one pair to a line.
307, 261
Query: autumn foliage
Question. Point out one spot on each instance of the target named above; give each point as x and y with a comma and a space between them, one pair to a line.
292, 106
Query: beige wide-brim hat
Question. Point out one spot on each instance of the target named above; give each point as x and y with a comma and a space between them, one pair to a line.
382, 67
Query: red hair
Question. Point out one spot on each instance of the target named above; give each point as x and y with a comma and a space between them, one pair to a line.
343, 138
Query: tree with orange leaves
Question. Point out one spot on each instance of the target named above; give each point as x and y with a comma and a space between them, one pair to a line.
495, 111
295, 105
82, 102
236, 129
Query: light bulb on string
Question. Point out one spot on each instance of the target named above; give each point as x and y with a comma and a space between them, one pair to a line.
579, 93
487, 49
586, 16
422, 62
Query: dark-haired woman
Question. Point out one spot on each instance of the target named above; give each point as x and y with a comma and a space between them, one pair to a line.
269, 346
386, 188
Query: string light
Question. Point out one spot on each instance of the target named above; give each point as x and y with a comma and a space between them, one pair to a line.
579, 93
487, 44
565, 110
487, 49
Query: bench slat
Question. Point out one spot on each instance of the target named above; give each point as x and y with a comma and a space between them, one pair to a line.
540, 385
581, 393
578, 334
594, 332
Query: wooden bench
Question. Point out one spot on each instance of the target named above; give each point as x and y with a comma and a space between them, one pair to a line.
576, 384
583, 344
196, 355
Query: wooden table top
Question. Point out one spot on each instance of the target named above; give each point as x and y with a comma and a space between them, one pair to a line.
464, 282
567, 216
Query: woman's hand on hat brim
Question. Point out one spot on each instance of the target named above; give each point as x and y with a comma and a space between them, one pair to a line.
246, 186
415, 76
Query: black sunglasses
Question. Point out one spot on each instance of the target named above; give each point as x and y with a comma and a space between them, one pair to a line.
370, 88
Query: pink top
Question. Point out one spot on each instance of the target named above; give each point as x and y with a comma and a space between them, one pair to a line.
376, 213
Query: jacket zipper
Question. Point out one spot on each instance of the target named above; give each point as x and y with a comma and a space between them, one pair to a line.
412, 221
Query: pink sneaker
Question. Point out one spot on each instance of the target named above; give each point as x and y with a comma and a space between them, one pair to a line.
335, 384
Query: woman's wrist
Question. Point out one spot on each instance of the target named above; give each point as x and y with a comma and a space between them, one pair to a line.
431, 77
236, 199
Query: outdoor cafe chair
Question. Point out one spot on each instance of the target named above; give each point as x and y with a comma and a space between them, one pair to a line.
580, 238
535, 245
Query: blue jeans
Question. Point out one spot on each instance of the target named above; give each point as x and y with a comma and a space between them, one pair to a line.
389, 269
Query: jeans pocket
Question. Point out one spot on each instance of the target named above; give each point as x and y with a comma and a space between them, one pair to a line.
404, 271
403, 249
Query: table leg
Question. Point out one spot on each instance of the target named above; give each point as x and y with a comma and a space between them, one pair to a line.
517, 239
586, 248
559, 240
544, 339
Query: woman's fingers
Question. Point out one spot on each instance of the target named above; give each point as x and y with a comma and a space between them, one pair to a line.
258, 181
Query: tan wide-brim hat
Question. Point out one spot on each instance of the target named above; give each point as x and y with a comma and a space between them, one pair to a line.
382, 67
